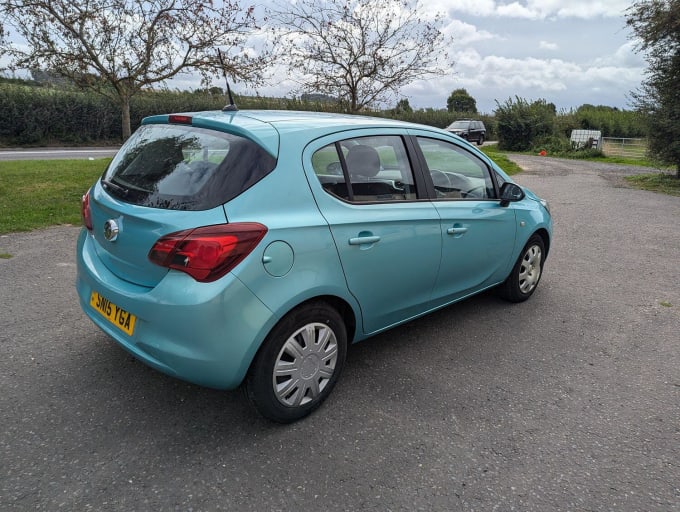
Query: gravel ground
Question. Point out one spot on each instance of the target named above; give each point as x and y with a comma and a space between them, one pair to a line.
570, 401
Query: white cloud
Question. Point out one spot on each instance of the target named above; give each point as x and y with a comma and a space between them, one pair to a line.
473, 7
565, 83
535, 9
464, 33
624, 55
545, 45
517, 10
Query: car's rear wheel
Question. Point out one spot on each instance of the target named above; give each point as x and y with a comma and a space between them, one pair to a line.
481, 140
298, 364
525, 275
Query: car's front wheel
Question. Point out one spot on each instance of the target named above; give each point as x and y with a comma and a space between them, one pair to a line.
481, 140
298, 364
525, 275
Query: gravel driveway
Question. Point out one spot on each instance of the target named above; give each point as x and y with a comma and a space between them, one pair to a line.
570, 401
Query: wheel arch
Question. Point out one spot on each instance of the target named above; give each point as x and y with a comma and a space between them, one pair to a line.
545, 236
343, 308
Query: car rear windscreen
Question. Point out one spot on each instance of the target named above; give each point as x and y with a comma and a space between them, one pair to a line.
180, 167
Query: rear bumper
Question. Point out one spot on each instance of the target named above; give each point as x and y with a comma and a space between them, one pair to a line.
205, 333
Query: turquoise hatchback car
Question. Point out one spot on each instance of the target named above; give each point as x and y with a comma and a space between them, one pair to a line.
250, 247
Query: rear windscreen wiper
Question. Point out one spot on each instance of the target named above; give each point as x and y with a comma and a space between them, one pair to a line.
108, 184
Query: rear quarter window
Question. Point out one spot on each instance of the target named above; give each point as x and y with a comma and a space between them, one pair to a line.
180, 167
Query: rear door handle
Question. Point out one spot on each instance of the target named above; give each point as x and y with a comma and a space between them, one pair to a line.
456, 231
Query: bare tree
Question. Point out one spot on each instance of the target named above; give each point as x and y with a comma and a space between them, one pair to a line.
360, 51
119, 47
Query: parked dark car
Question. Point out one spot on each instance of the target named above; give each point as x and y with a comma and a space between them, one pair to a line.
470, 129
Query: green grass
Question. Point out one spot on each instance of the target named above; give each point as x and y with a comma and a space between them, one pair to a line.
493, 152
641, 162
613, 159
501, 159
5, 255
40, 193
661, 182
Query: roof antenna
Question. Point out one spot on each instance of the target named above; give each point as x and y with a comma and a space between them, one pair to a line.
232, 106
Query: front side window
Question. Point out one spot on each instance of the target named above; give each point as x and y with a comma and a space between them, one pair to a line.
366, 169
455, 173
179, 167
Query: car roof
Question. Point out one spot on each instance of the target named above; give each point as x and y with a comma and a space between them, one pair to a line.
266, 126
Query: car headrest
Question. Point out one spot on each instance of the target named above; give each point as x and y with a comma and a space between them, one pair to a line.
363, 161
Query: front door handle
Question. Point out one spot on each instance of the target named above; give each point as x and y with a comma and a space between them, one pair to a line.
364, 240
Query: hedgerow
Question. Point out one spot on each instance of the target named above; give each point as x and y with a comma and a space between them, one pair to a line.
38, 115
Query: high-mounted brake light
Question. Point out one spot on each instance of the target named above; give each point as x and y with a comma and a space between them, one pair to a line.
209, 252
175, 118
85, 213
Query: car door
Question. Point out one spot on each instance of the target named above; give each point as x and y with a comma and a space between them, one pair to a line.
478, 234
386, 232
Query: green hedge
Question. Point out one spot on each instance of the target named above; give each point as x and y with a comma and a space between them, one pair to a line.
32, 115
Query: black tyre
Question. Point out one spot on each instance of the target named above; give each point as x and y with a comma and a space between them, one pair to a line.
298, 364
481, 140
525, 275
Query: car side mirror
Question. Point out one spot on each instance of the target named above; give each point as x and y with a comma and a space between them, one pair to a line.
511, 192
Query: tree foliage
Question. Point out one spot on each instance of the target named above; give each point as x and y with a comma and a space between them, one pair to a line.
461, 101
521, 123
361, 51
402, 107
120, 47
656, 24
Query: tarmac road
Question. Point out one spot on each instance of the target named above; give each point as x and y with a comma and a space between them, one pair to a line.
56, 153
570, 401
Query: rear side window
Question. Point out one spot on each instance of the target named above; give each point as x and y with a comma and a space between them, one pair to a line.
179, 167
366, 169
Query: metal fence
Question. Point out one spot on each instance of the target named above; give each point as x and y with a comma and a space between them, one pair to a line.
626, 148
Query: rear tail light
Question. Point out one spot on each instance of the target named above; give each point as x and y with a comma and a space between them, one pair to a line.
207, 253
85, 213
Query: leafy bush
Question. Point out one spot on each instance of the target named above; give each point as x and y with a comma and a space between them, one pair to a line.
551, 144
520, 123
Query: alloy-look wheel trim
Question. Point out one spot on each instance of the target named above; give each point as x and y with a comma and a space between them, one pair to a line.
530, 269
305, 364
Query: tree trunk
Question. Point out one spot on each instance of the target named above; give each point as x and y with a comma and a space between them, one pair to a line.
353, 102
125, 116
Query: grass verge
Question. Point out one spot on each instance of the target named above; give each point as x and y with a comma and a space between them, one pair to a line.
40, 193
661, 182
501, 159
